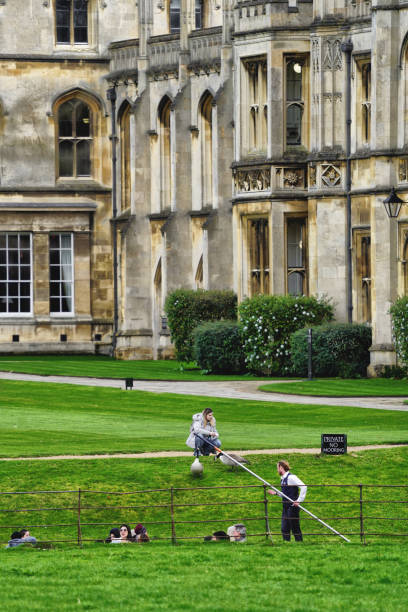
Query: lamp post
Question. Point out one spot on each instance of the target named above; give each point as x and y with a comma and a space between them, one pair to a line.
393, 204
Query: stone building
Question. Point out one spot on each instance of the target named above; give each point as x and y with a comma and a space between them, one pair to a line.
244, 144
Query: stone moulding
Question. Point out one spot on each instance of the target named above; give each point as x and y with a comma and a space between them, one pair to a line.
252, 179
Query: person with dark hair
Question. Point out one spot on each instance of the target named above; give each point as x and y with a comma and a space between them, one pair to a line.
114, 534
140, 533
217, 536
125, 535
21, 537
203, 424
295, 489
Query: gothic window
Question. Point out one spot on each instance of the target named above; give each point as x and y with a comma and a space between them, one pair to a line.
15, 273
294, 101
199, 14
174, 16
366, 101
363, 275
125, 157
165, 153
74, 139
296, 256
206, 138
258, 243
61, 273
254, 105
71, 21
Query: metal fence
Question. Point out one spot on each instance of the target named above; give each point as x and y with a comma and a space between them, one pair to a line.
362, 512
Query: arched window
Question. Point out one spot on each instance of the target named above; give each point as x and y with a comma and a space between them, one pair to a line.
174, 16
294, 102
165, 153
296, 256
199, 14
71, 21
206, 137
74, 139
125, 157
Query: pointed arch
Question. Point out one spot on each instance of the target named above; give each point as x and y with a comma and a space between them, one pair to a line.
165, 142
124, 118
206, 145
88, 95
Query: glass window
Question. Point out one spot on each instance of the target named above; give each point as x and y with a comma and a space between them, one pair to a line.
294, 102
15, 273
258, 234
198, 14
74, 139
71, 21
174, 16
61, 273
296, 256
254, 105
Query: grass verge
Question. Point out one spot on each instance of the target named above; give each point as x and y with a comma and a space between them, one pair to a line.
335, 387
56, 419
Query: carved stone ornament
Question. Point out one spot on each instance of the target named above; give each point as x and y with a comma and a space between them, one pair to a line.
292, 178
316, 55
403, 171
252, 180
331, 176
332, 58
312, 176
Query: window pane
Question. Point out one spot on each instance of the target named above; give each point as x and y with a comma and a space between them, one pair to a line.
198, 14
295, 244
66, 241
24, 272
54, 273
12, 289
83, 158
66, 158
3, 257
80, 21
24, 305
294, 125
83, 120
13, 305
294, 81
54, 241
66, 305
3, 240
25, 289
13, 273
63, 9
12, 241
174, 15
13, 257
65, 114
54, 257
24, 241
55, 305
25, 257
55, 289
3, 273
295, 283
3, 289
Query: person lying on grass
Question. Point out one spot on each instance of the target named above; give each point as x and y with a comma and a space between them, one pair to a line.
217, 536
114, 534
237, 533
21, 537
125, 535
140, 534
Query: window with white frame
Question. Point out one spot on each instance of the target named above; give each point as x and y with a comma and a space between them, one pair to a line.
15, 273
61, 274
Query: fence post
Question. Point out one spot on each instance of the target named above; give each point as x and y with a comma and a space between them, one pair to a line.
173, 527
79, 519
362, 535
267, 528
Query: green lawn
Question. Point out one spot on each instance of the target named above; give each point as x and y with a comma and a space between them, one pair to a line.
104, 482
98, 366
47, 419
336, 387
220, 577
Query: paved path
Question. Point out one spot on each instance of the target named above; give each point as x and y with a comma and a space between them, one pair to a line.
165, 454
247, 390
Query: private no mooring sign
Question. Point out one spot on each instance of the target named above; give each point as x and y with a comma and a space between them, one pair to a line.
334, 444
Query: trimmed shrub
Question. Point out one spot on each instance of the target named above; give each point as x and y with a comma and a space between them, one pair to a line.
339, 349
399, 316
186, 308
218, 347
267, 324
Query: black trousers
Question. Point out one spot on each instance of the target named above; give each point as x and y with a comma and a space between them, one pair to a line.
291, 523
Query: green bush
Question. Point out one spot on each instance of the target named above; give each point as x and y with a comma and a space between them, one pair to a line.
267, 323
186, 308
338, 349
399, 316
395, 372
218, 347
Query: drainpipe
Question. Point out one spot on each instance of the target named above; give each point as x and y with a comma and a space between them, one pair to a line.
111, 96
347, 48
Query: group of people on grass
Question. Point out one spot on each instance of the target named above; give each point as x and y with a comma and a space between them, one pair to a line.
125, 535
204, 437
21, 537
235, 533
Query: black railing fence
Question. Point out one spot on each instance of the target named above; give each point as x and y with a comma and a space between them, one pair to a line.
362, 512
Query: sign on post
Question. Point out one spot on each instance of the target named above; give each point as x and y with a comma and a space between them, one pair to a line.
334, 444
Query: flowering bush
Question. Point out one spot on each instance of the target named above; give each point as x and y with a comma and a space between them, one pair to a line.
399, 316
218, 347
267, 324
186, 308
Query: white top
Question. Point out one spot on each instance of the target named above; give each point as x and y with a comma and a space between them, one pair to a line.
294, 481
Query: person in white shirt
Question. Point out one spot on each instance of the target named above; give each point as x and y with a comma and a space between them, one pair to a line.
295, 489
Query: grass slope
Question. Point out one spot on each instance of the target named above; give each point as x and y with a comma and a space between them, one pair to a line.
47, 419
335, 387
98, 366
219, 577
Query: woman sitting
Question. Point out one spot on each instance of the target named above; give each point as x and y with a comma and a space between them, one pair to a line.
203, 424
125, 535
141, 534
114, 534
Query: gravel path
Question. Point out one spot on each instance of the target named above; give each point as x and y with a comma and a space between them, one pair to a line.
165, 454
247, 390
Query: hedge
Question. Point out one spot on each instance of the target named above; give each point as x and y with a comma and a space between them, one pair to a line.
186, 308
218, 347
267, 324
338, 349
399, 316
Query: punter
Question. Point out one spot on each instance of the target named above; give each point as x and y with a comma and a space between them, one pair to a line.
295, 489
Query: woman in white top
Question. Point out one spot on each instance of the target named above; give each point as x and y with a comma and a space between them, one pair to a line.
203, 424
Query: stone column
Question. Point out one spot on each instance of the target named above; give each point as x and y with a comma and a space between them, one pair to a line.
41, 266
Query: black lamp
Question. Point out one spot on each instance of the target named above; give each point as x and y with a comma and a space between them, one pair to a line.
393, 204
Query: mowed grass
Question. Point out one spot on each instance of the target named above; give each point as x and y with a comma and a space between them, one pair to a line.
335, 387
99, 366
215, 576
138, 490
47, 419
